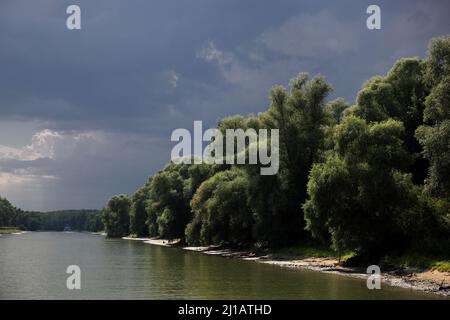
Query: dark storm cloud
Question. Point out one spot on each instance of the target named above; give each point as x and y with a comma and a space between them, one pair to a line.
139, 69
113, 72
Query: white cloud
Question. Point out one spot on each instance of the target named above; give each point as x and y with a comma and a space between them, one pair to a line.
232, 69
173, 78
42, 146
21, 177
45, 144
49, 144
210, 53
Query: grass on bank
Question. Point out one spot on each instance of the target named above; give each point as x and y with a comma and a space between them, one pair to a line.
8, 230
315, 251
413, 260
410, 260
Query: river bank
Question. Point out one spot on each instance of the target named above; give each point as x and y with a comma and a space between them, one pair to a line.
7, 230
427, 280
411, 278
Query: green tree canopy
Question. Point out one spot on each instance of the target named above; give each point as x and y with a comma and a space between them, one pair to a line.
399, 95
171, 191
434, 136
358, 193
300, 117
221, 213
138, 213
8, 213
116, 216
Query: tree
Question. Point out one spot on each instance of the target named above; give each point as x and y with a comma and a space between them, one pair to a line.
79, 220
8, 213
171, 190
400, 95
438, 61
299, 115
357, 195
434, 136
221, 213
116, 217
335, 110
166, 206
435, 140
138, 213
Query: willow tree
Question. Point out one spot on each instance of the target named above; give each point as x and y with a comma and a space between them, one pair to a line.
138, 213
170, 192
116, 216
221, 213
8, 213
399, 95
358, 194
299, 115
434, 136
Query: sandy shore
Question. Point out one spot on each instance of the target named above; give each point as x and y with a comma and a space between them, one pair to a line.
433, 281
14, 233
20, 232
99, 233
157, 242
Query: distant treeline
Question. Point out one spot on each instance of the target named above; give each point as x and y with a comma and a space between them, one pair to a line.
76, 220
373, 177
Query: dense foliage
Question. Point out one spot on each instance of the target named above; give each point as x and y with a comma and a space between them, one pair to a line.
220, 210
360, 194
116, 216
76, 220
8, 214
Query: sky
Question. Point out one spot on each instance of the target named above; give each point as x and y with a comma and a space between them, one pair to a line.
87, 114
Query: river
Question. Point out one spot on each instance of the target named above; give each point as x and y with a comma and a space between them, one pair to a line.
33, 266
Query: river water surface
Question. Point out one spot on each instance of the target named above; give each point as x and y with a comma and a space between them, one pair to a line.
33, 266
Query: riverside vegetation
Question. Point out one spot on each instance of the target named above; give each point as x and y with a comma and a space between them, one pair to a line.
367, 182
13, 220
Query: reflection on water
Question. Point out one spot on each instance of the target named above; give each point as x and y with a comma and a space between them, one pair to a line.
33, 266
